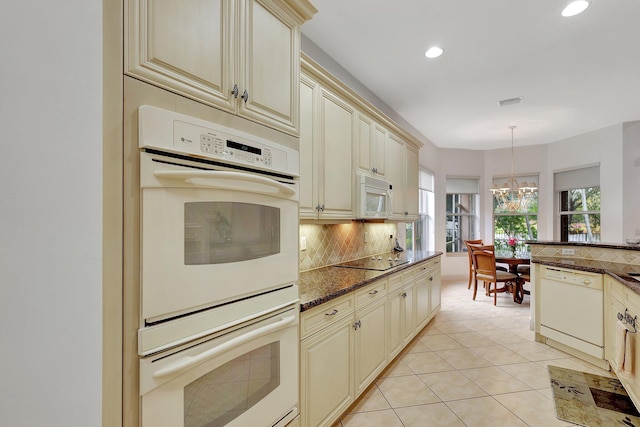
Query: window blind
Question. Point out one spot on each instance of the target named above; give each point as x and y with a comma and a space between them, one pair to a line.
462, 185
426, 180
577, 178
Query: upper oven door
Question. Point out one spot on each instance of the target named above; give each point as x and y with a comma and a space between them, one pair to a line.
211, 237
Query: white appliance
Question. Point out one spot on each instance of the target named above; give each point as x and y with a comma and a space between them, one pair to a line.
244, 376
218, 227
218, 336
572, 309
373, 197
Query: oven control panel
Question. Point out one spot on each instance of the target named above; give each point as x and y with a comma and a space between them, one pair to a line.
217, 144
189, 136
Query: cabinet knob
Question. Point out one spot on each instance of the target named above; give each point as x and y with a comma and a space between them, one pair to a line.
404, 295
235, 91
406, 213
431, 279
245, 96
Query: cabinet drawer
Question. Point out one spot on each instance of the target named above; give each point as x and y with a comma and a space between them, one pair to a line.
617, 290
394, 282
324, 315
370, 293
408, 275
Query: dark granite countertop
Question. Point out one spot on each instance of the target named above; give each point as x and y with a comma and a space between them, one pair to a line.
324, 284
596, 245
618, 271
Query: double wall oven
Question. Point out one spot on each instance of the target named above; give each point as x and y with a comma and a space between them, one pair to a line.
219, 316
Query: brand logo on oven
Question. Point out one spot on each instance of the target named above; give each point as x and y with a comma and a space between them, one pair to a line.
186, 140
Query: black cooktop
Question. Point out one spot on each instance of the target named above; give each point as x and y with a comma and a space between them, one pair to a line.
379, 262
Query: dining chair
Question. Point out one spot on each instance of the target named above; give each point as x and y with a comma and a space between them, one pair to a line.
524, 271
484, 260
467, 244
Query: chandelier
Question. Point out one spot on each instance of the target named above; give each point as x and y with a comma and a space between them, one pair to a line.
512, 196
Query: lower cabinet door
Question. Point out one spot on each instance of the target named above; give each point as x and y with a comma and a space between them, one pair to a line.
370, 349
327, 381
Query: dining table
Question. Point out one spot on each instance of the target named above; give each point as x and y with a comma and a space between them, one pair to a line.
513, 262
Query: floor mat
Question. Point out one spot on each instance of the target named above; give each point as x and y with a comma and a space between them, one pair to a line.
591, 400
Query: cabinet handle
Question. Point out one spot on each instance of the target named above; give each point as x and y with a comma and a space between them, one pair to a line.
245, 96
404, 295
406, 213
235, 91
357, 325
373, 292
322, 208
431, 279
333, 313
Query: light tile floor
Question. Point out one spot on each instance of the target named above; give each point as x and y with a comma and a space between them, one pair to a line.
474, 365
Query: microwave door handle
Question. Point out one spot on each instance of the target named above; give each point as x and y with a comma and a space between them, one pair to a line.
188, 362
230, 181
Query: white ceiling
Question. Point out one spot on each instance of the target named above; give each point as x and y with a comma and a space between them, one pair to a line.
576, 74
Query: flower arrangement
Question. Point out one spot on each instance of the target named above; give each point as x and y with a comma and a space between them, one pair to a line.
512, 242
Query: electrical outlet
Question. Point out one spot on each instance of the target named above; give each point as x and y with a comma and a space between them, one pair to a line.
568, 251
303, 243
366, 236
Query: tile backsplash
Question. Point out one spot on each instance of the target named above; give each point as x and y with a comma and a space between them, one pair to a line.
588, 252
330, 244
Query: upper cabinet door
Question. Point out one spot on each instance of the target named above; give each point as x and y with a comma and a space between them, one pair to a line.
242, 56
269, 65
183, 46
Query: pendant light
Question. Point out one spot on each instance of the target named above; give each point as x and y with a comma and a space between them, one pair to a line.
513, 196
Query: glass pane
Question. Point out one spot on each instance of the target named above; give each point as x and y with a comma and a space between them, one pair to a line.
224, 232
581, 199
580, 228
230, 390
518, 229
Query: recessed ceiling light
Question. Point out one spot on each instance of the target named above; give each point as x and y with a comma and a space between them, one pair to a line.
434, 52
575, 7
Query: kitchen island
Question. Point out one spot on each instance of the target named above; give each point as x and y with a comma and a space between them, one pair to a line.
354, 322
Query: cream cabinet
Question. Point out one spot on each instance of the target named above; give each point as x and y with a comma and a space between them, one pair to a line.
326, 154
370, 352
347, 342
241, 56
422, 291
404, 175
371, 147
327, 384
620, 299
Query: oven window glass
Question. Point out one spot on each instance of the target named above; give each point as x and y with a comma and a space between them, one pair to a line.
225, 232
231, 389
375, 202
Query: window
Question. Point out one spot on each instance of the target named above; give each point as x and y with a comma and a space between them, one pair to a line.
462, 218
579, 201
423, 230
520, 226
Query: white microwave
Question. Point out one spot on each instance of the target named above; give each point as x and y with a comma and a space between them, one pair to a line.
373, 198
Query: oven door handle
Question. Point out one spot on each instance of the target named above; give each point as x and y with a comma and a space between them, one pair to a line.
188, 362
236, 181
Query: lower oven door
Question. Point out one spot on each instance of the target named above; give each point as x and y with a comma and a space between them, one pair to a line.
244, 377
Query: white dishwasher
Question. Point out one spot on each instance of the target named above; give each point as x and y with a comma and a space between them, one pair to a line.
571, 309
